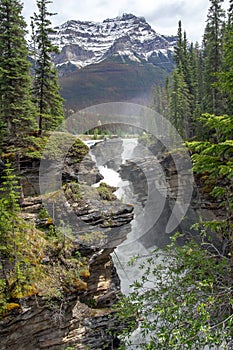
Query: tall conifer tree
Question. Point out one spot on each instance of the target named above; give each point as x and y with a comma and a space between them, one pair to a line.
16, 109
46, 87
179, 49
182, 94
180, 102
226, 75
213, 57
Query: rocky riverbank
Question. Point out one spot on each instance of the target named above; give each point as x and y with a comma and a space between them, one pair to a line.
72, 307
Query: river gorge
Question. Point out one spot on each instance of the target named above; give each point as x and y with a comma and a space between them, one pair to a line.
108, 234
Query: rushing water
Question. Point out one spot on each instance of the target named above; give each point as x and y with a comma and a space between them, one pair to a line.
132, 246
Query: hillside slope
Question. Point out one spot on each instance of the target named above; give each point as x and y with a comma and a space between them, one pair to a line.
119, 59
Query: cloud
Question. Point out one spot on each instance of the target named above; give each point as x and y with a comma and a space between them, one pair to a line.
163, 16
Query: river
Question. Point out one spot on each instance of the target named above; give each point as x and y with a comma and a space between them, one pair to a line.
148, 225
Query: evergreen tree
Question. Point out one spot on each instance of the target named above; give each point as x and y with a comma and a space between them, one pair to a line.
226, 75
200, 78
46, 87
191, 77
182, 57
17, 113
160, 99
178, 51
180, 102
186, 58
212, 45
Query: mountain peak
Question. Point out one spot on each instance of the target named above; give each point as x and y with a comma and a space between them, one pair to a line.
123, 17
82, 43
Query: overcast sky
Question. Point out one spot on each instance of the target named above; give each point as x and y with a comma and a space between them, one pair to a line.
162, 15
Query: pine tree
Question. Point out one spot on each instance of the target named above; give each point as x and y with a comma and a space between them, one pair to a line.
200, 78
160, 100
226, 75
17, 113
212, 44
186, 58
195, 86
190, 77
180, 102
182, 56
178, 51
46, 87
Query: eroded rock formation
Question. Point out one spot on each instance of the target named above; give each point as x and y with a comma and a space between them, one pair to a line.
83, 318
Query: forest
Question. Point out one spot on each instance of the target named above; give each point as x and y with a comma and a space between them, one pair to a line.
193, 306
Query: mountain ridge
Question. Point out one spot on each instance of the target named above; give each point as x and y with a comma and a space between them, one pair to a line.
82, 43
119, 59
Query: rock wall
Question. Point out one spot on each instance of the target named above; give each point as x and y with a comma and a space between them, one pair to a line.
164, 195
82, 319
48, 325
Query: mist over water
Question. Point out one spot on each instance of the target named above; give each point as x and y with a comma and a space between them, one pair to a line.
131, 246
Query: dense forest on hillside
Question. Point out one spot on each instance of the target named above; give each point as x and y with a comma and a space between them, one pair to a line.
195, 303
189, 305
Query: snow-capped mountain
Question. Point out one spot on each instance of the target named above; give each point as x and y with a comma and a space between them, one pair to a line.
83, 43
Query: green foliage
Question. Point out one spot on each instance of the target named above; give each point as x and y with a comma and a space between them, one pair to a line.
183, 300
226, 74
43, 213
96, 133
202, 81
106, 191
213, 100
213, 162
14, 269
78, 151
184, 98
32, 261
180, 102
9, 207
33, 146
46, 88
72, 192
52, 145
214, 156
56, 149
220, 127
17, 113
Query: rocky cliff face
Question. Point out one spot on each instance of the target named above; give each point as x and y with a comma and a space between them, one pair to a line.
83, 318
164, 194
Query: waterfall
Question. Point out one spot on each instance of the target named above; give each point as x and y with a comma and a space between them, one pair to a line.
131, 246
